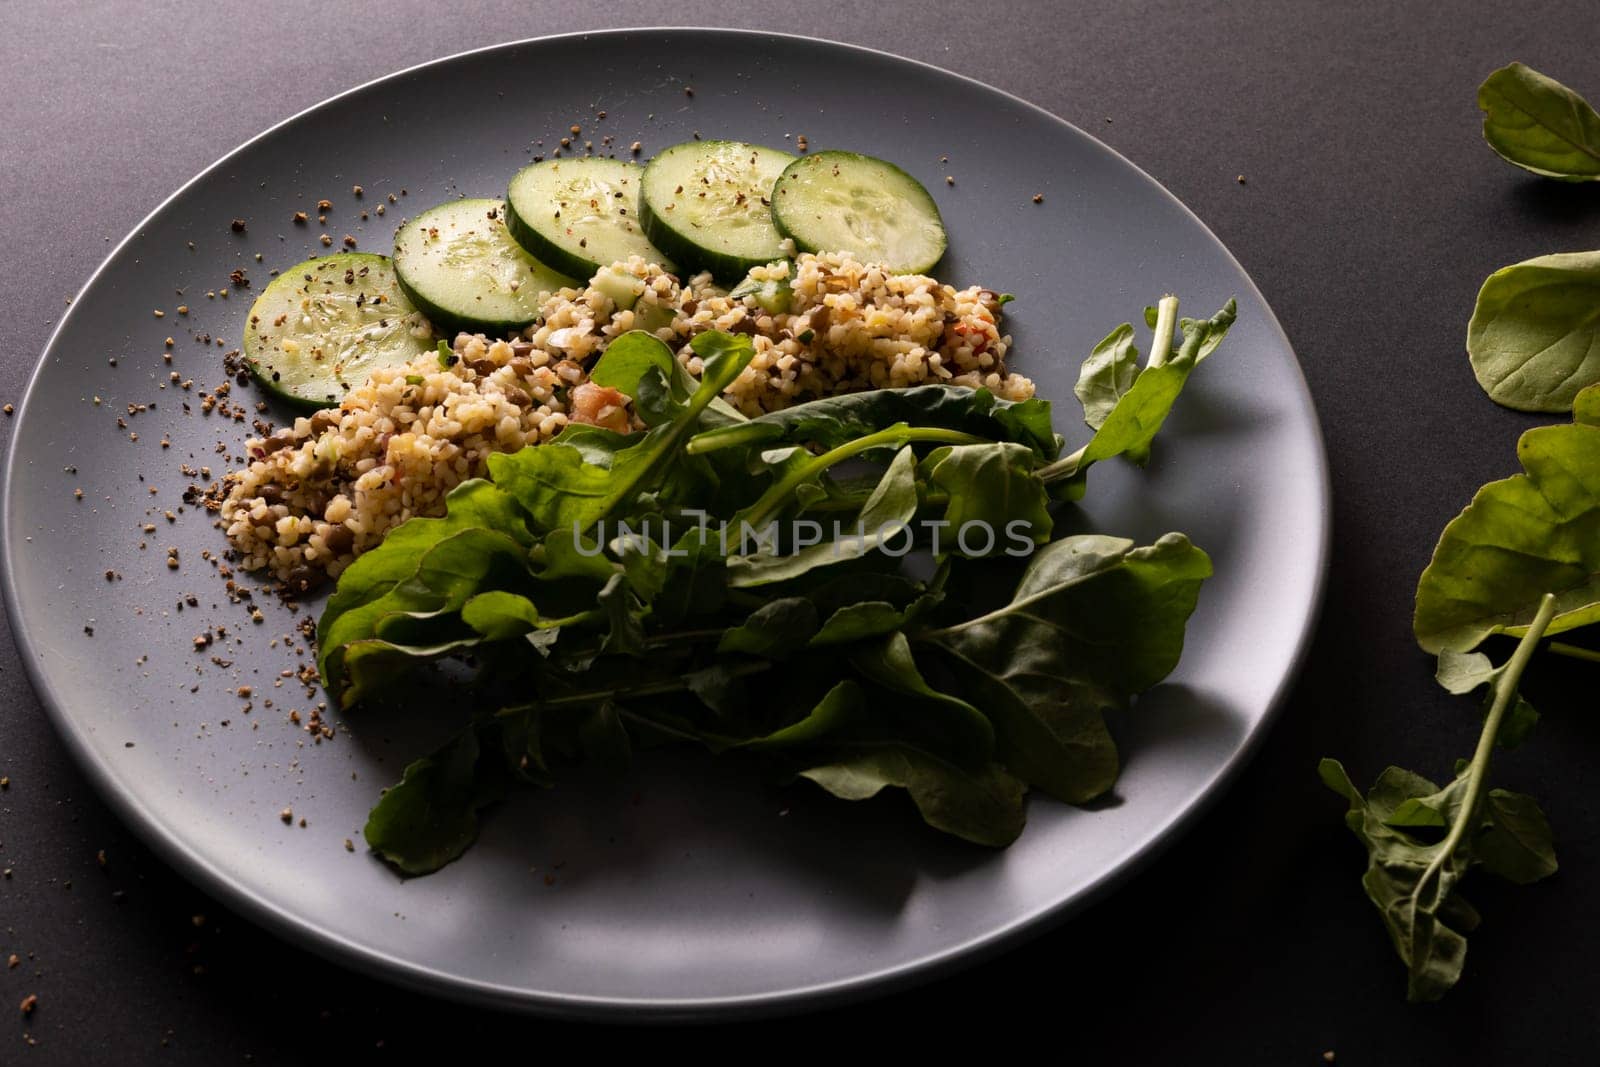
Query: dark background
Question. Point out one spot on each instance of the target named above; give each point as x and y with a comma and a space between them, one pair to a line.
1369, 214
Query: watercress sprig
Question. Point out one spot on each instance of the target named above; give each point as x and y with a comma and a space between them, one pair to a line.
1412, 880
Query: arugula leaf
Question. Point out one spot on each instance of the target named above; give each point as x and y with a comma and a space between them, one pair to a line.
1540, 125
1534, 338
1094, 621
1107, 375
556, 485
861, 758
837, 420
937, 722
472, 504
1460, 673
867, 619
641, 366
774, 630
418, 609
1413, 881
431, 816
886, 514
983, 806
991, 487
558, 488
1521, 536
1135, 415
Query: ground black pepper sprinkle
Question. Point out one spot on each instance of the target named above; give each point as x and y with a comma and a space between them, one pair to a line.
237, 225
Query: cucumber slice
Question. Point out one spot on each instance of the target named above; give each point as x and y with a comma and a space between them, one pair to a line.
707, 204
459, 265
772, 291
323, 326
844, 202
579, 215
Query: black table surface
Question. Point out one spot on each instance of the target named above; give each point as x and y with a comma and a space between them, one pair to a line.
1334, 147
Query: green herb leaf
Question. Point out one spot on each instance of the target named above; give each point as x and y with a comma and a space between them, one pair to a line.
837, 420
431, 816
415, 618
1107, 375
1041, 667
641, 366
935, 721
983, 806
1519, 537
883, 519
1412, 881
1540, 125
1136, 413
993, 491
1534, 338
773, 630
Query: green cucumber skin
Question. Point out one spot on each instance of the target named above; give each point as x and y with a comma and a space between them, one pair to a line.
283, 396
683, 248
545, 250
444, 317
281, 391
557, 256
794, 227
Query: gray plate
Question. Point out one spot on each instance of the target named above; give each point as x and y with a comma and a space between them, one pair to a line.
691, 889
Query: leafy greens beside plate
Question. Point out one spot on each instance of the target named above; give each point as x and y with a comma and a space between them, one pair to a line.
1521, 560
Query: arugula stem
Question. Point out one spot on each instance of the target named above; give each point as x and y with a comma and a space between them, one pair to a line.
854, 501
1505, 694
670, 685
1160, 350
680, 636
896, 436
1166, 322
1561, 648
1065, 467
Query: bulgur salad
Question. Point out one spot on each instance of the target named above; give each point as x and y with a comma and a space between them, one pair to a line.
759, 482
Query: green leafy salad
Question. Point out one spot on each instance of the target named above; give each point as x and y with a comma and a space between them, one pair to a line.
866, 591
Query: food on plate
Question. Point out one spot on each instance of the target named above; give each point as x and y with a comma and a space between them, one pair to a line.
579, 214
324, 325
707, 204
327, 487
847, 200
759, 483
459, 265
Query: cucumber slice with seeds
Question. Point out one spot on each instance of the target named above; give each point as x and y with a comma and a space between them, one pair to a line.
459, 265
323, 326
579, 214
707, 204
844, 202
